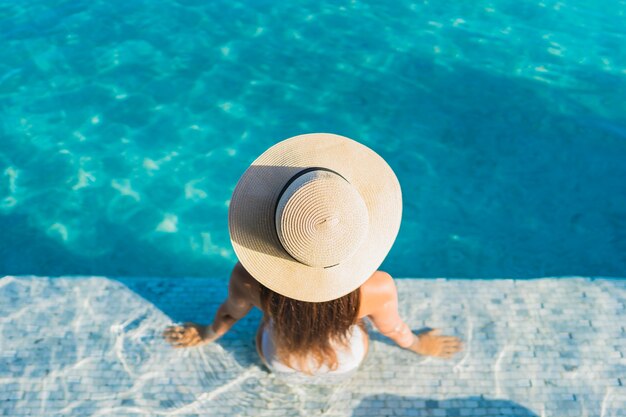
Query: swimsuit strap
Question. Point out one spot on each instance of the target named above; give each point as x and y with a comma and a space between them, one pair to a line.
349, 360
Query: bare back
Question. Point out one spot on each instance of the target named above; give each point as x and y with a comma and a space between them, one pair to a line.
377, 292
379, 303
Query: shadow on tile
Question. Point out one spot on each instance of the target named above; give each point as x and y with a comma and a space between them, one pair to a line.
387, 404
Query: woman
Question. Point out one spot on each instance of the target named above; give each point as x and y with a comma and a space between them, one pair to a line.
311, 220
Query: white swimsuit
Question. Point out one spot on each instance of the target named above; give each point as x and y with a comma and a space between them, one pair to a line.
348, 359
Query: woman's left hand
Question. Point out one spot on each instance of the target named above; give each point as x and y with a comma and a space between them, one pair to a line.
189, 334
431, 343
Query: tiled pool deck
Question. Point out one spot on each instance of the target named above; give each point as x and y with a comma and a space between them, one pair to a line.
84, 346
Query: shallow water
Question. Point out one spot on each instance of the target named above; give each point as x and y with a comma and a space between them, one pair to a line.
125, 125
91, 346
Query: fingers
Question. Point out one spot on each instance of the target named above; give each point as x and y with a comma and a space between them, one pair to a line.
450, 347
443, 346
182, 336
186, 342
452, 343
173, 333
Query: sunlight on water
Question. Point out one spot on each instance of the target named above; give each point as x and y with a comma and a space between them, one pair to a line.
123, 138
168, 224
124, 362
125, 125
92, 346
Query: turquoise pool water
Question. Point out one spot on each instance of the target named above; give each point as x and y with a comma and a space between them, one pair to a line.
125, 125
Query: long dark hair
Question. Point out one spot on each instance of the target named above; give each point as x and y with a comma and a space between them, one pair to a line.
301, 328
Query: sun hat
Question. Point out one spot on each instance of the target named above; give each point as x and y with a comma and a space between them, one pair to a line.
314, 216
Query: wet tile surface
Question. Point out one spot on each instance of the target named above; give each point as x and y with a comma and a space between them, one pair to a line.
91, 346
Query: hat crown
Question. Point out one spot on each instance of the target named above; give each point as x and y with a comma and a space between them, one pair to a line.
321, 219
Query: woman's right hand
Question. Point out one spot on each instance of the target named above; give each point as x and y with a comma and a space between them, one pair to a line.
189, 334
431, 343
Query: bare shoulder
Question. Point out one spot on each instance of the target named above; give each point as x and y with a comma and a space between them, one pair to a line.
376, 291
379, 283
243, 285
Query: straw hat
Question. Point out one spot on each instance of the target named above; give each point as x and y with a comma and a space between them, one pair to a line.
314, 216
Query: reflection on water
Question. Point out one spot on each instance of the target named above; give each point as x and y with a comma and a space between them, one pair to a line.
124, 128
92, 347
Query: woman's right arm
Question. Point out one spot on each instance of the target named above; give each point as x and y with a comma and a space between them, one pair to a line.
384, 314
238, 304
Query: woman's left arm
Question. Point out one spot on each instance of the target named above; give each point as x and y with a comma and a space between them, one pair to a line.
236, 306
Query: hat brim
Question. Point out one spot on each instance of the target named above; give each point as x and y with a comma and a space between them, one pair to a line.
251, 218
